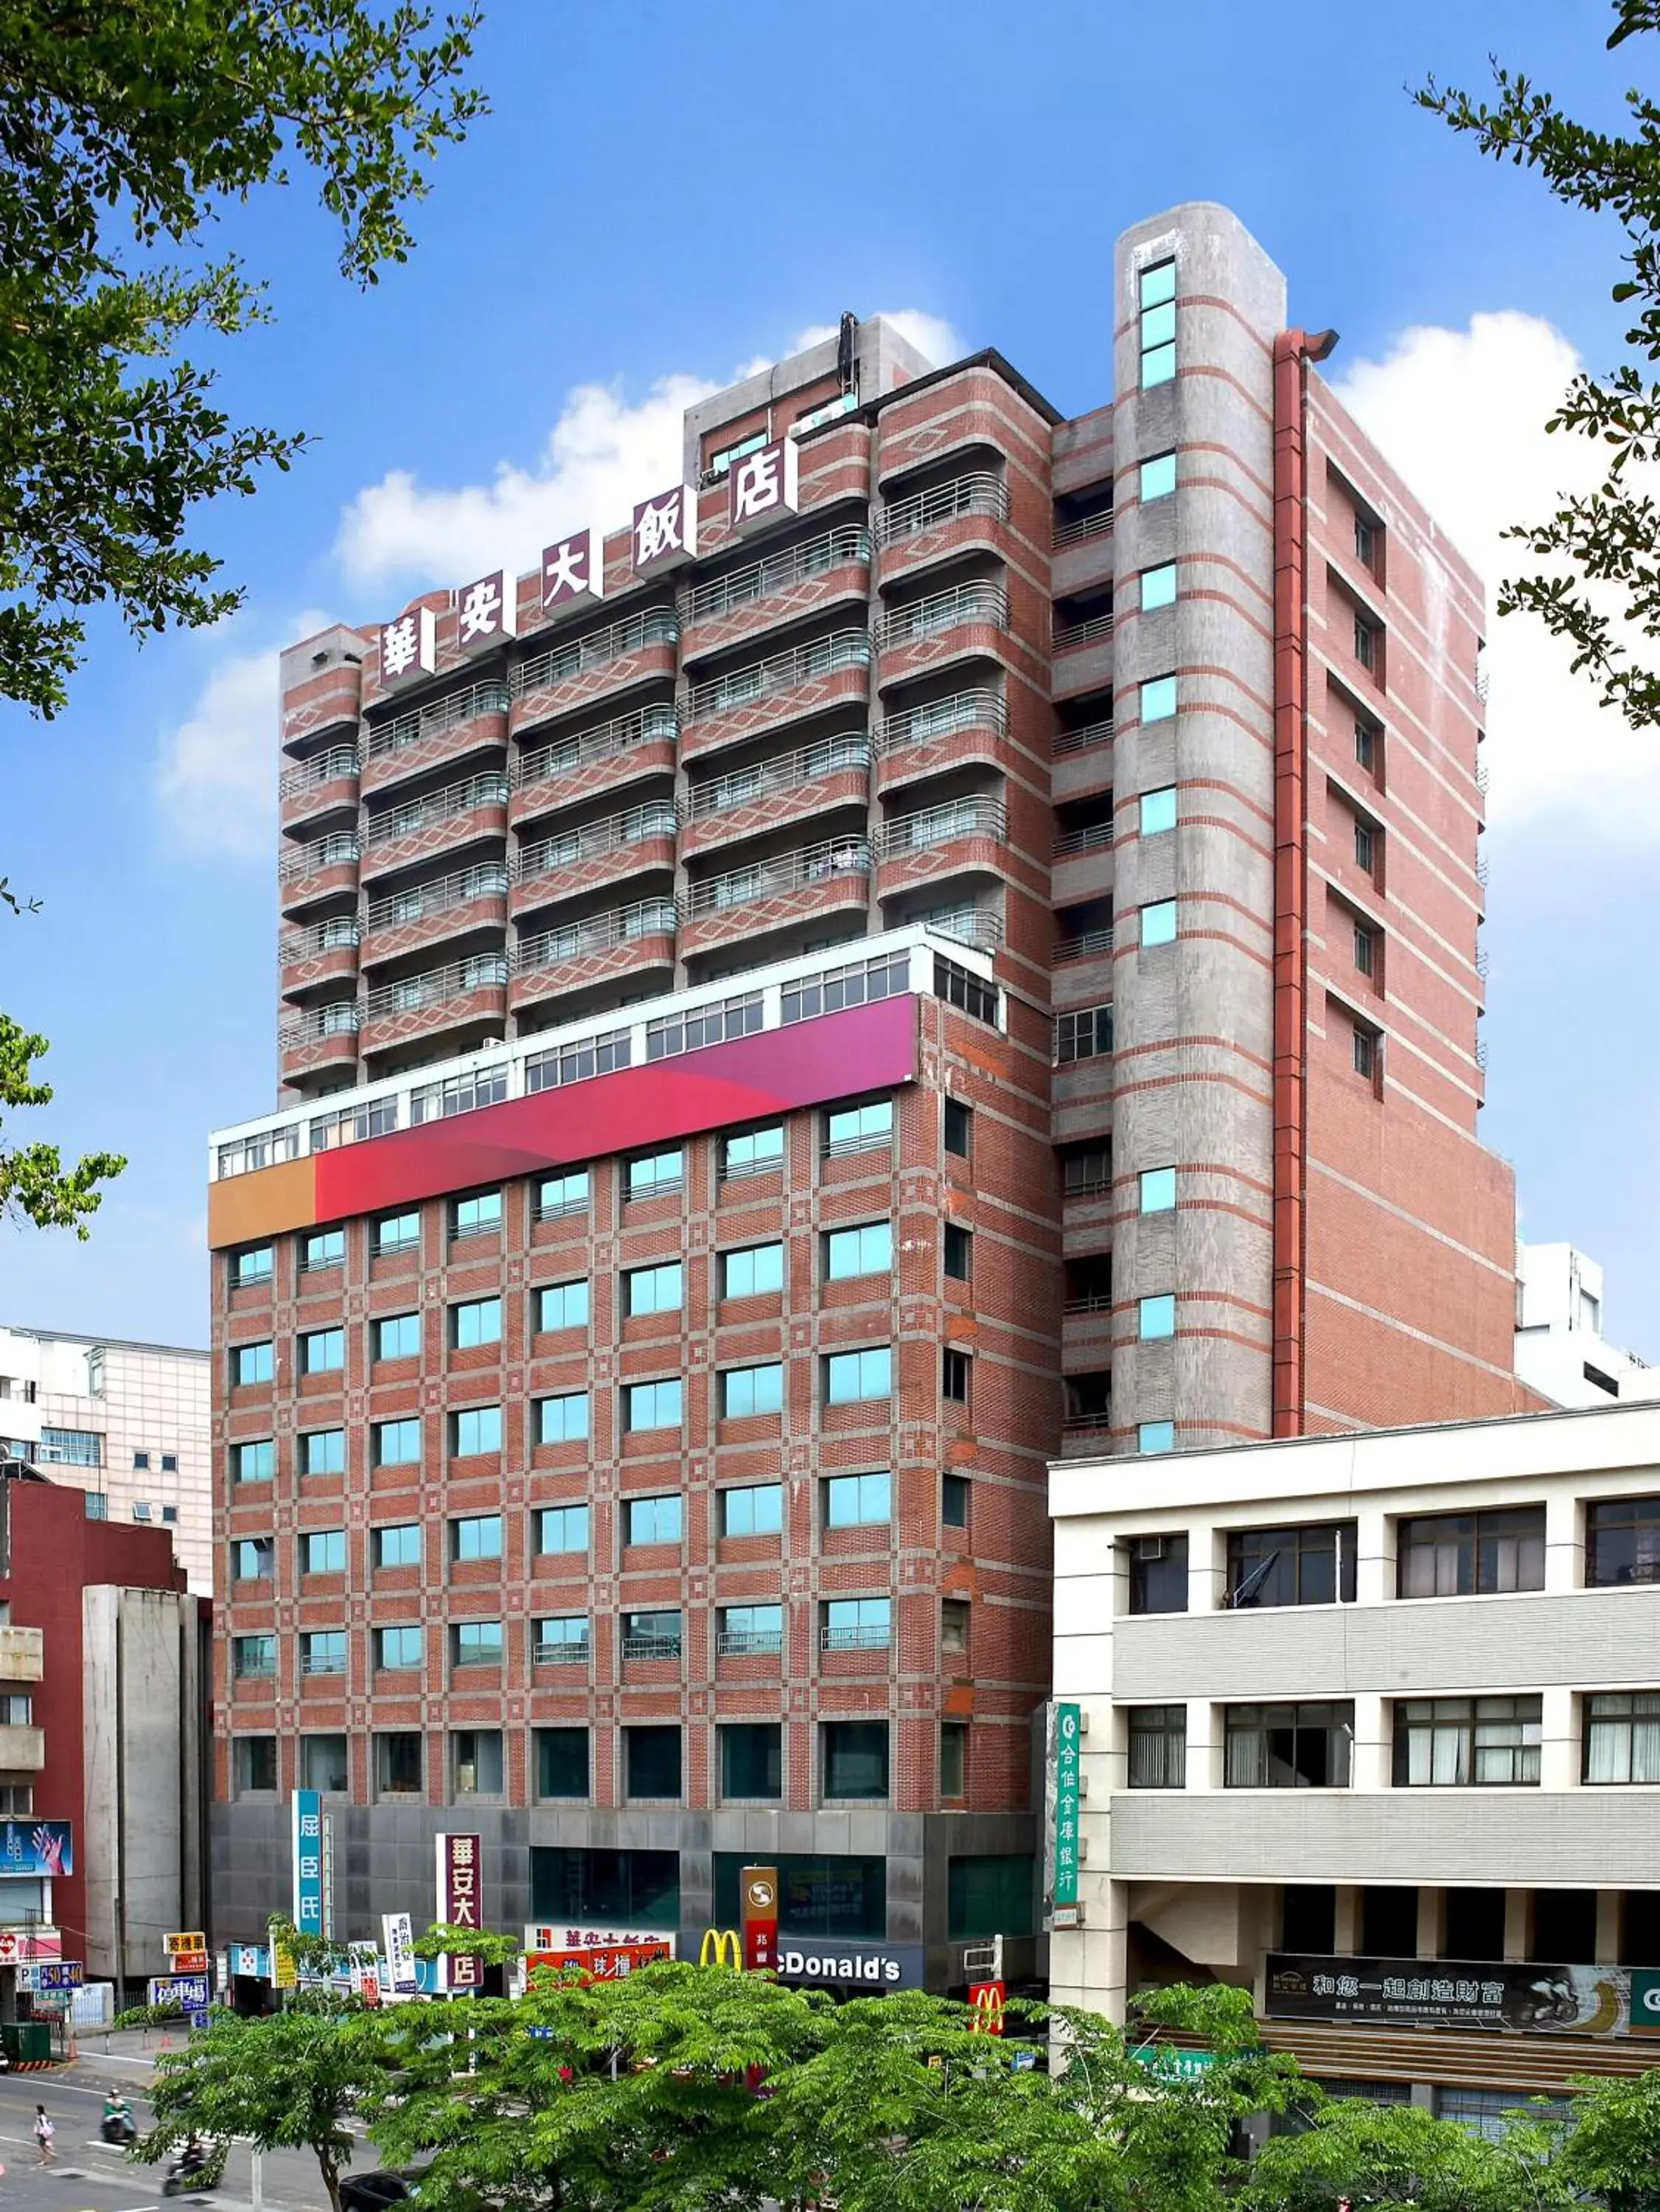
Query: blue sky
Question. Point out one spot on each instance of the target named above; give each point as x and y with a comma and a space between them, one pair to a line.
668, 192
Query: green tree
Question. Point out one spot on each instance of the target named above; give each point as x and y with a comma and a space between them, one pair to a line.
285, 2080
1367, 2155
35, 1182
124, 131
1613, 2151
1599, 589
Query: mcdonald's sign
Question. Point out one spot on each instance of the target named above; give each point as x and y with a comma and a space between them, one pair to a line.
721, 1946
987, 2001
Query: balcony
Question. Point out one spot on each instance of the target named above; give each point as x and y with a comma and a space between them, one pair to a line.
632, 941
1080, 649
747, 1642
926, 633
427, 737
320, 1038
327, 783
600, 853
428, 913
965, 835
636, 650
1088, 944
783, 587
22, 1750
321, 870
326, 952
417, 829
549, 778
977, 926
325, 701
959, 517
651, 1647
574, 1652
813, 883
1068, 637
832, 672
1082, 760
873, 1637
22, 1655
968, 727
771, 794
1084, 554
1084, 864
462, 994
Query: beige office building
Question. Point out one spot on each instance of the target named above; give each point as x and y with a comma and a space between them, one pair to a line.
1371, 1726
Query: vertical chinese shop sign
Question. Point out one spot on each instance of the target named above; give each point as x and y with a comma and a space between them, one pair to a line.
458, 1904
1063, 1881
307, 1810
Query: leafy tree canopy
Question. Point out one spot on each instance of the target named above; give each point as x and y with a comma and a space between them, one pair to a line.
35, 1183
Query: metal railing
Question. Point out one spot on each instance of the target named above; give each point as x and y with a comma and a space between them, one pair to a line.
489, 881
1094, 837
321, 1663
647, 725
741, 587
816, 864
938, 825
1084, 946
436, 806
977, 709
738, 1643
1480, 774
1079, 1423
651, 626
786, 772
1083, 527
1080, 740
566, 1653
782, 672
967, 925
1065, 636
977, 492
321, 937
943, 611
450, 712
650, 918
340, 1019
874, 1638
322, 768
651, 1647
434, 986
339, 851
615, 833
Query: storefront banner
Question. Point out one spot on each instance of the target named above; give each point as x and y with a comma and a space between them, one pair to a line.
1645, 2002
42, 1847
565, 1935
20, 1943
307, 1814
399, 1937
1523, 1997
1062, 1799
822, 1962
48, 1974
604, 1962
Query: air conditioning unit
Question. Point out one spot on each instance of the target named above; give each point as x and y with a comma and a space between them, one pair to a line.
1149, 1548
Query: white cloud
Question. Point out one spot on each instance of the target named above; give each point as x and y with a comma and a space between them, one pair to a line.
601, 456
216, 771
1462, 414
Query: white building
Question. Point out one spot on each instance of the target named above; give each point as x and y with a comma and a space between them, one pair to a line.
128, 1423
1560, 1349
1371, 1726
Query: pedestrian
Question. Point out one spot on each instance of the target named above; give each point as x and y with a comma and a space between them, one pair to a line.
44, 2132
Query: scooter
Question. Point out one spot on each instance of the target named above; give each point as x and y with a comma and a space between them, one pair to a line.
189, 2172
117, 2126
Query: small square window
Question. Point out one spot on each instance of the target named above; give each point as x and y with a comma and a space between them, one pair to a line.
955, 1371
562, 1529
756, 1509
478, 1536
396, 1544
858, 1501
563, 1419
958, 1128
1158, 283
562, 1194
395, 1443
252, 1362
756, 1152
1156, 1437
254, 1462
1156, 1317
1158, 588
1157, 811
1158, 1189
1157, 477
169, 1462
1158, 699
867, 1250
322, 1351
749, 1390
141, 1462
1159, 923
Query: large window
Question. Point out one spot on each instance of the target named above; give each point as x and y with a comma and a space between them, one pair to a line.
562, 1529
475, 1431
651, 1520
858, 1128
250, 1364
254, 1462
322, 1765
1086, 1035
1467, 1554
254, 1265
754, 1152
563, 1419
851, 1376
253, 1764
858, 1624
654, 1290
574, 1888
395, 1443
563, 1639
561, 1305
650, 1762
651, 1635
561, 1762
1157, 297
1158, 1747
742, 1631
397, 1764
253, 1559
397, 1648
651, 1405
865, 1251
1442, 1742
476, 1216
858, 1501
751, 1272
752, 1760
755, 1509
253, 1657
1158, 1573
396, 1544
396, 1232
1622, 1736
1290, 1566
475, 1765
1622, 1541
322, 1351
478, 1321
648, 1177
746, 1391
323, 1451
845, 1897
323, 1552
322, 1651
475, 1644
988, 1895
563, 1193
855, 1754
1288, 1746
323, 1248
477, 1536
398, 1337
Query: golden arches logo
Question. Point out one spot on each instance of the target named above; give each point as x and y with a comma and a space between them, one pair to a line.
721, 1946
987, 2002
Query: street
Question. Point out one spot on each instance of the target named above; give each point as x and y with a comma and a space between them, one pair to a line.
88, 2175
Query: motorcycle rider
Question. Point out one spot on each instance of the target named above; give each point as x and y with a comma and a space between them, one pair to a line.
117, 2124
